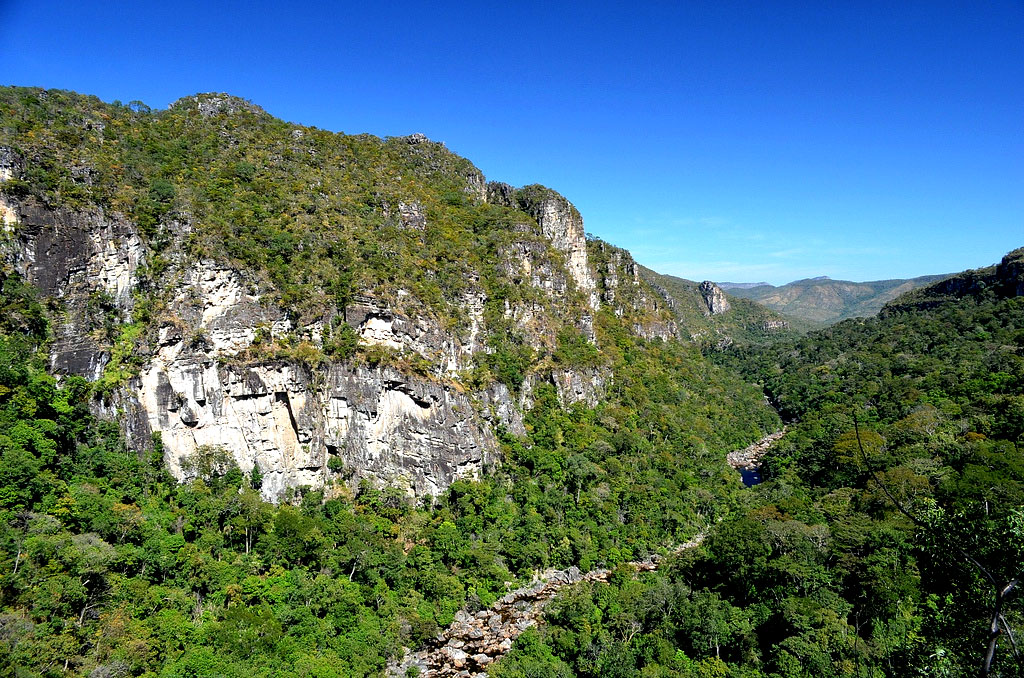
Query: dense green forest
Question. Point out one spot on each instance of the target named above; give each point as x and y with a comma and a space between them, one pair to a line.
889, 525
892, 523
109, 565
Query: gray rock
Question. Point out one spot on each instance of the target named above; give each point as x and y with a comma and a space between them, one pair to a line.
204, 383
714, 298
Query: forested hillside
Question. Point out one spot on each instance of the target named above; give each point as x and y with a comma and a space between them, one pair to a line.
110, 567
247, 246
323, 307
822, 301
889, 538
744, 322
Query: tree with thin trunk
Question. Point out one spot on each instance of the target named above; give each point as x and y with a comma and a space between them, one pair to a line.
1001, 585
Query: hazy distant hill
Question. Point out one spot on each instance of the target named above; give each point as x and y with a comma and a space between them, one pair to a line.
825, 300
742, 286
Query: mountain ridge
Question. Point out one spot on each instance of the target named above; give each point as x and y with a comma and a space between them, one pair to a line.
309, 301
823, 300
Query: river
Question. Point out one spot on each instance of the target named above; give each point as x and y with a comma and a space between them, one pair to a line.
748, 460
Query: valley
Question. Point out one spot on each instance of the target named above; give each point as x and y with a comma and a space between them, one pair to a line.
277, 401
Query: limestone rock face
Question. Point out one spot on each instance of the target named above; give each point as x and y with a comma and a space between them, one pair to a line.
714, 298
581, 386
205, 381
559, 222
218, 365
90, 260
61, 252
288, 421
774, 325
206, 386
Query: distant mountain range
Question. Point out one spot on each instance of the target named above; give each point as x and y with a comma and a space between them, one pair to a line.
739, 286
826, 301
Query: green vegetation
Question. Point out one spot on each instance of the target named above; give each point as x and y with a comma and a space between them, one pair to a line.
317, 215
892, 510
823, 301
877, 547
745, 323
109, 567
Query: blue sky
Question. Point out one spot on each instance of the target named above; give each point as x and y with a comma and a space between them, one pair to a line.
726, 140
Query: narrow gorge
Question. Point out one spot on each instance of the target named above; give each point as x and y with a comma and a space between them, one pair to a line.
474, 641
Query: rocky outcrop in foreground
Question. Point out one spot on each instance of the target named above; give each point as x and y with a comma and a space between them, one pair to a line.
474, 641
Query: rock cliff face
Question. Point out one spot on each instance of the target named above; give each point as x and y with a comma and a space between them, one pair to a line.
714, 298
289, 421
322, 307
559, 222
90, 261
207, 378
207, 386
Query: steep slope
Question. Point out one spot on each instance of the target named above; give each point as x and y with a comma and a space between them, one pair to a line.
825, 301
716, 318
448, 386
320, 306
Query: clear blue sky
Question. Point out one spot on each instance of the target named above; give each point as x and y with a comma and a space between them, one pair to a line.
726, 140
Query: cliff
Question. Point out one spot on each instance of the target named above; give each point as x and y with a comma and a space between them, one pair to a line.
325, 308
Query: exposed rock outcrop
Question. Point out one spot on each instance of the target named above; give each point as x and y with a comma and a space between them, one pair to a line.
559, 221
288, 421
714, 298
474, 641
203, 387
749, 458
284, 331
65, 252
205, 381
89, 260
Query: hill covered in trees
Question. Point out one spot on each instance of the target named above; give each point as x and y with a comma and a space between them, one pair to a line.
824, 301
889, 536
277, 401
